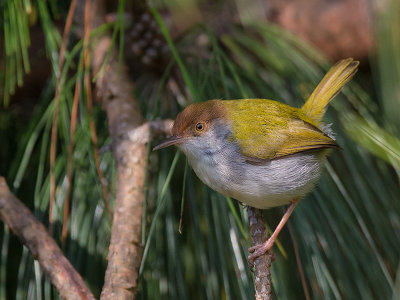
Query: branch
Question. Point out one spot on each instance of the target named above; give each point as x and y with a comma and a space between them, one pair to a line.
44, 249
116, 92
262, 265
125, 251
144, 133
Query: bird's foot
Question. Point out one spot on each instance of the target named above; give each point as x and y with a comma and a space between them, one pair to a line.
259, 250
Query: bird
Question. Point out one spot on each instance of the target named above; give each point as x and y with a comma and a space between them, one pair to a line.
261, 152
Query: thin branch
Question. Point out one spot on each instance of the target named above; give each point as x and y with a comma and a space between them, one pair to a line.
262, 265
74, 114
144, 133
89, 98
54, 129
44, 249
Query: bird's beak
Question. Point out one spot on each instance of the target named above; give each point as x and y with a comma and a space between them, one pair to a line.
173, 140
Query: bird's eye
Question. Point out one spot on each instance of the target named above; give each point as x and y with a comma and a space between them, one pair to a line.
199, 126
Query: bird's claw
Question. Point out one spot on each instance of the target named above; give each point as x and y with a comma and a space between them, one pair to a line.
254, 248
257, 251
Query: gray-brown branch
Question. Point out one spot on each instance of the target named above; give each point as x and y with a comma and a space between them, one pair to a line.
262, 265
44, 249
115, 90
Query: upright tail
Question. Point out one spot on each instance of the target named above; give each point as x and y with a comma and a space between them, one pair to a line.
329, 87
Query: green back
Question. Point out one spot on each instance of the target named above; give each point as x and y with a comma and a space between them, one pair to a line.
266, 129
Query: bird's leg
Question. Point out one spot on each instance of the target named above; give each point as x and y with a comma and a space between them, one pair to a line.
261, 249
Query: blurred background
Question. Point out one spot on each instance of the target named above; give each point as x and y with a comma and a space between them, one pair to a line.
344, 237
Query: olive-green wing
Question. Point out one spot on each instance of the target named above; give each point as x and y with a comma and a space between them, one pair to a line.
266, 129
303, 136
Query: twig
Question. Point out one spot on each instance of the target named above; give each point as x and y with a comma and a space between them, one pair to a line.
74, 114
43, 248
89, 98
141, 134
262, 265
54, 129
146, 132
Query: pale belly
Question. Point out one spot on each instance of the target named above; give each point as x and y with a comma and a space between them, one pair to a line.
272, 184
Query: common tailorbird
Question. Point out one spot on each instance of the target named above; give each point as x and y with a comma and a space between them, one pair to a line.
261, 152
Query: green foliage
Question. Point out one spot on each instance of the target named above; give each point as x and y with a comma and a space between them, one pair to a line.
347, 230
15, 26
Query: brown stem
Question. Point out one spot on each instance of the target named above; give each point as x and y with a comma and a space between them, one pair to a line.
74, 116
116, 93
262, 265
88, 85
54, 128
125, 251
43, 248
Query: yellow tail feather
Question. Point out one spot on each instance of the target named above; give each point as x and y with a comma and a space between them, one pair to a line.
329, 87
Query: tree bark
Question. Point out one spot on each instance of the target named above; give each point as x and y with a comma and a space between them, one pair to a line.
44, 249
116, 92
262, 265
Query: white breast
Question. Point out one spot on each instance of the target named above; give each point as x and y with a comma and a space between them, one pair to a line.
218, 163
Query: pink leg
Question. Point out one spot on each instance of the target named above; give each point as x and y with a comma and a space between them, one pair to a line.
261, 249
